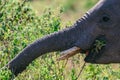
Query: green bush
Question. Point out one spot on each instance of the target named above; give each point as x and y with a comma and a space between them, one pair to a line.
19, 26
5, 74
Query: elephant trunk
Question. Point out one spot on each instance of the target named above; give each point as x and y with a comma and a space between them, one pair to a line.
78, 35
57, 41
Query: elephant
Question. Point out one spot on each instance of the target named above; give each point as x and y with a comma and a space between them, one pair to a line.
102, 20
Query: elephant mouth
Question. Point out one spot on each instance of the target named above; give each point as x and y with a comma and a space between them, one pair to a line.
96, 49
91, 54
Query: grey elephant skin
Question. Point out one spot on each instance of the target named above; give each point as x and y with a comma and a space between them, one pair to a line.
102, 20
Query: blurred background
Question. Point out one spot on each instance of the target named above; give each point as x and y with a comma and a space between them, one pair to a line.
24, 21
71, 9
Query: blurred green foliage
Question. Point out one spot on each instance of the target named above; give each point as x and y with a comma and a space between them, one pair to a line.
20, 25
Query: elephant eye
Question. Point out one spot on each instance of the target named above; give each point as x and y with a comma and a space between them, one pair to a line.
105, 18
105, 21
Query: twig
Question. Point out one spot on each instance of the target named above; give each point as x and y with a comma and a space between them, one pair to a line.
81, 70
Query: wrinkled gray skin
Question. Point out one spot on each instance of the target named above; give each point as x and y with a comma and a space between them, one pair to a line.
102, 19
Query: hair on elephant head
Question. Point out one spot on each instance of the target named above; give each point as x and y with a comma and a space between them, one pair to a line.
102, 21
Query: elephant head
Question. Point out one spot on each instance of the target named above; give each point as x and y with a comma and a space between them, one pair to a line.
100, 21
